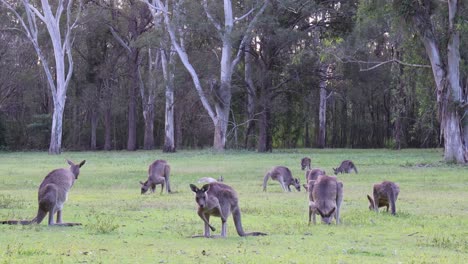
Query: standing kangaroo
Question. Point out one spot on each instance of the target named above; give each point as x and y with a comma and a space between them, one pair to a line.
325, 197
158, 173
284, 176
220, 200
53, 192
345, 167
385, 194
305, 163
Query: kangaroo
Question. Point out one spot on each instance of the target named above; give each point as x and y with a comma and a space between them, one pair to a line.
53, 192
305, 163
385, 194
325, 197
158, 173
210, 180
220, 200
284, 176
345, 167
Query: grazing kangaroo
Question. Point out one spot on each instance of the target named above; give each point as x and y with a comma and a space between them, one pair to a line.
284, 176
385, 194
305, 163
220, 200
53, 192
345, 167
325, 197
158, 173
210, 180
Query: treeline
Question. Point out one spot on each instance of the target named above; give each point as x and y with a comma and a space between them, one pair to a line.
348, 74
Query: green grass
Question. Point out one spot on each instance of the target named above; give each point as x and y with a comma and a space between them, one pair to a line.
122, 226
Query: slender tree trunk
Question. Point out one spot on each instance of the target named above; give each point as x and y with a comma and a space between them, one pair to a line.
56, 133
264, 134
94, 123
168, 72
131, 139
321, 139
148, 115
251, 95
107, 129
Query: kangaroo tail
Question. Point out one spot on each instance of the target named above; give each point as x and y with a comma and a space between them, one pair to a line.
40, 216
236, 215
16, 222
167, 172
265, 180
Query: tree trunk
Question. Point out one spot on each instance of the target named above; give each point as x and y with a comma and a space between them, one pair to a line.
107, 129
56, 133
131, 139
251, 95
447, 79
321, 139
148, 115
264, 133
168, 72
94, 123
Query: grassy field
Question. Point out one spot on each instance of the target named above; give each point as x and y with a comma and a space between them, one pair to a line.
122, 226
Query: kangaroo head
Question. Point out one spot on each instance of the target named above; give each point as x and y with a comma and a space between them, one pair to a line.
297, 185
221, 178
371, 203
305, 163
75, 168
144, 187
336, 171
200, 194
326, 218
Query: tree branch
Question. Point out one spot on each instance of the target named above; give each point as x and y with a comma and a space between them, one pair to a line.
244, 16
211, 18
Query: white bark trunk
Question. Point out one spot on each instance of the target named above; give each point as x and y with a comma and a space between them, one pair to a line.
222, 98
169, 141
322, 108
58, 81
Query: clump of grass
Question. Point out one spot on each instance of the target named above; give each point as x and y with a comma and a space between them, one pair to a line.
446, 241
18, 249
9, 202
102, 224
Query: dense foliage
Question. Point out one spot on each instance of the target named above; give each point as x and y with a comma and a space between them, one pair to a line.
393, 105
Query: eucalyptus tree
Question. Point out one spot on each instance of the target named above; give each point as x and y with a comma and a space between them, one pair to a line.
131, 19
59, 27
221, 88
438, 25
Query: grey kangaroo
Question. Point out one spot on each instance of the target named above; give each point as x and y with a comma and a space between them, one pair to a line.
210, 180
325, 197
345, 167
220, 200
284, 176
158, 173
385, 194
305, 163
53, 192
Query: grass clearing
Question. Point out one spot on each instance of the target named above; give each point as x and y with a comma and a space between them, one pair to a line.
122, 226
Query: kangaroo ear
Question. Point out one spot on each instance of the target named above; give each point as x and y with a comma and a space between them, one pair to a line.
82, 163
193, 188
370, 201
70, 163
296, 180
142, 183
331, 212
305, 187
320, 212
205, 188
